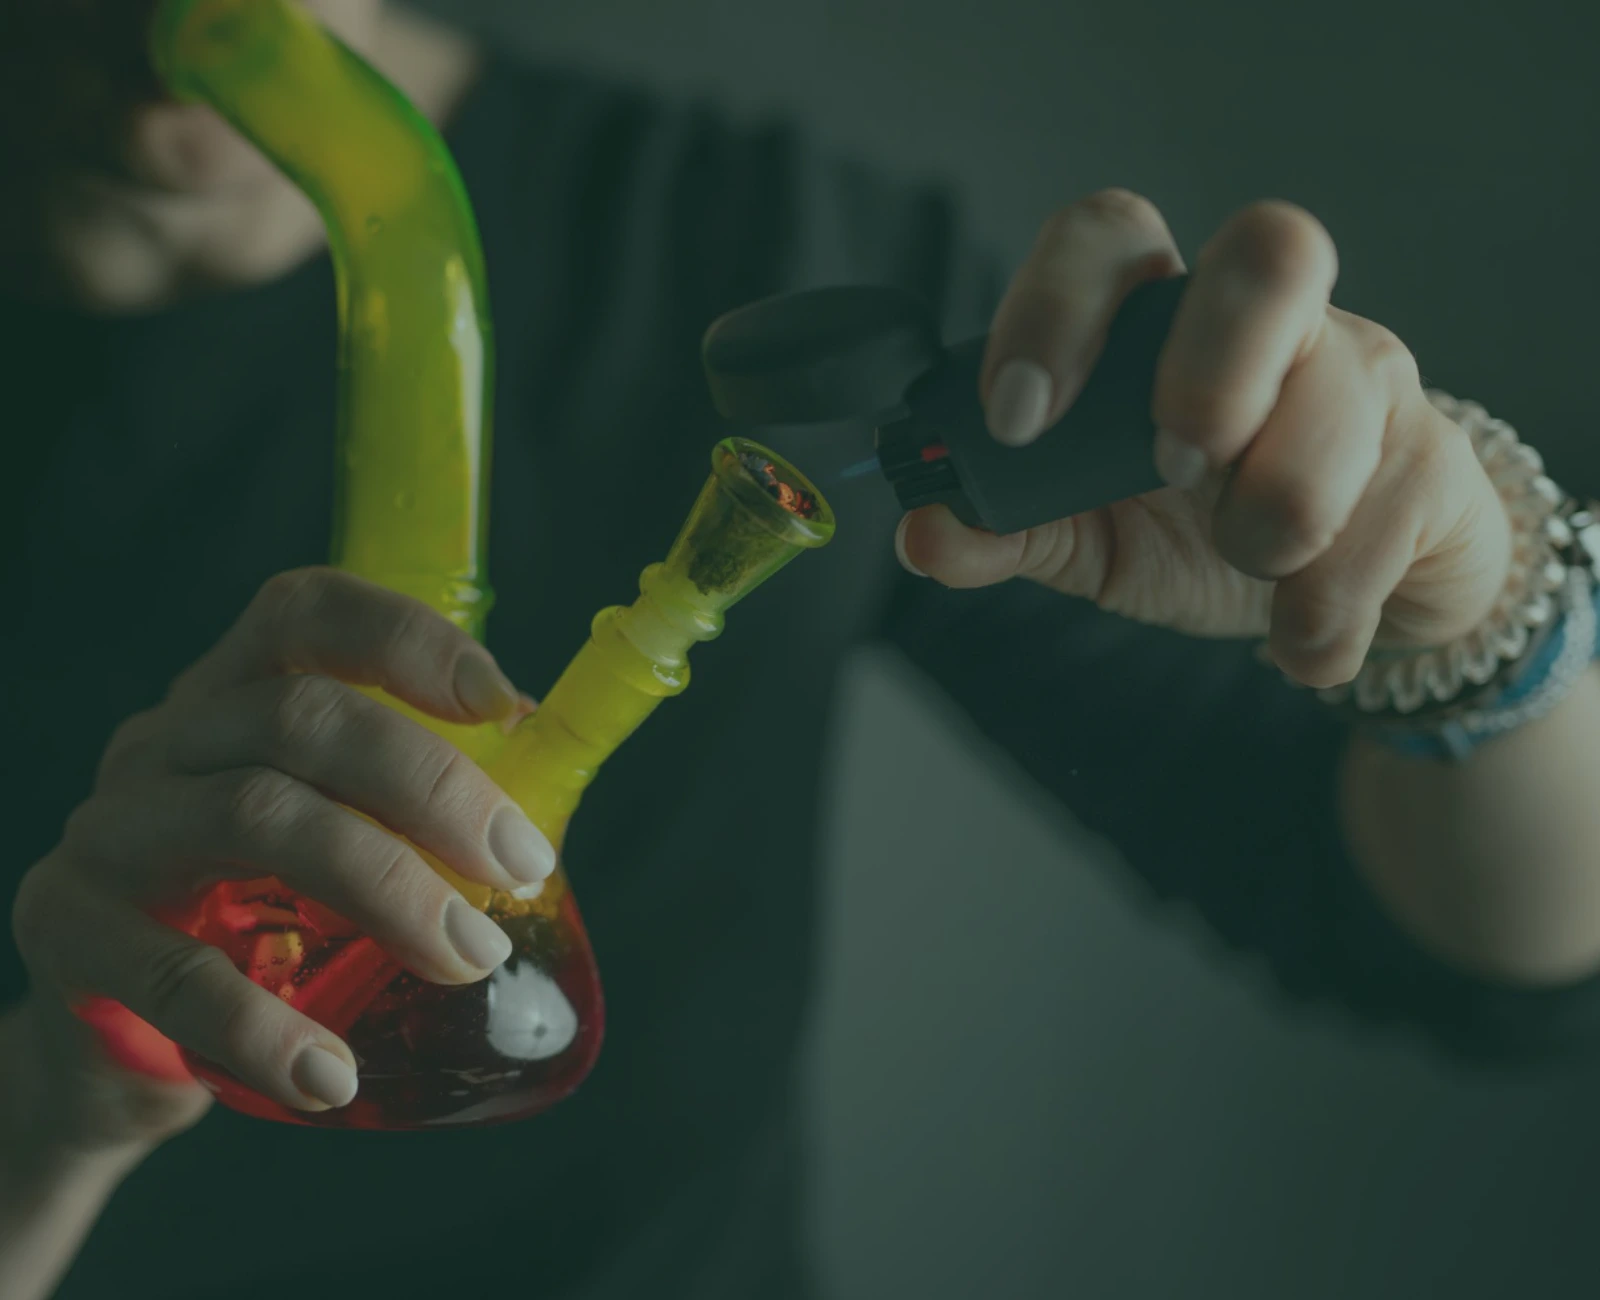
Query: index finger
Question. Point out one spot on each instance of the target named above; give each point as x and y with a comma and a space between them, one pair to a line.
186, 989
331, 624
1051, 325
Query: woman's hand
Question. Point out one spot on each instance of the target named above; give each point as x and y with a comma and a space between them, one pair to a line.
1316, 496
257, 764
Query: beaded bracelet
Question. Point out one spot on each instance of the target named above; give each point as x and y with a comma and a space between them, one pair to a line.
1519, 663
1542, 683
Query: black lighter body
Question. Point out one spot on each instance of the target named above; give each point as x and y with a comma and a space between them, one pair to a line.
874, 354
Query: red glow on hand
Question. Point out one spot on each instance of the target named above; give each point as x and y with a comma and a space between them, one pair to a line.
132, 1043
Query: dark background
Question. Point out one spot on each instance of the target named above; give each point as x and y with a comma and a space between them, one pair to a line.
1025, 1085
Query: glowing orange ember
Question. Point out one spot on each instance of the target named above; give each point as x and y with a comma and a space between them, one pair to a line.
786, 494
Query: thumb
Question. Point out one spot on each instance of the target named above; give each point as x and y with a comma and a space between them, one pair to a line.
933, 543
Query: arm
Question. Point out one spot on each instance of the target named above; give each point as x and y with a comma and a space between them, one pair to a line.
51, 1191
214, 783
1218, 784
1318, 500
1493, 863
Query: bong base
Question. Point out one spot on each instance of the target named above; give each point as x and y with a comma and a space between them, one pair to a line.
428, 1055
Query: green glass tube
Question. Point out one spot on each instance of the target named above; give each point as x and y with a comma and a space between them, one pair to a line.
755, 514
412, 446
416, 349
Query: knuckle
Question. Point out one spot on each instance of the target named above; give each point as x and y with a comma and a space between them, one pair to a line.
1298, 513
302, 713
84, 828
413, 625
1036, 311
34, 911
288, 597
367, 867
249, 1029
1388, 358
1123, 206
442, 778
1113, 206
127, 742
176, 975
1429, 460
1197, 403
1316, 622
392, 873
1278, 244
1427, 449
1047, 552
1059, 226
260, 803
382, 885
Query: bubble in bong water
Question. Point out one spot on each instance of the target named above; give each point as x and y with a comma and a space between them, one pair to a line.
374, 225
405, 500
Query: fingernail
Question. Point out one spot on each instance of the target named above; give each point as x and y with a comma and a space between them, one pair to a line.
484, 691
1179, 464
479, 941
1323, 637
520, 847
900, 549
1019, 402
324, 1077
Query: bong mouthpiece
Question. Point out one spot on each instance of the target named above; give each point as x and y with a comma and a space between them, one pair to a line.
755, 514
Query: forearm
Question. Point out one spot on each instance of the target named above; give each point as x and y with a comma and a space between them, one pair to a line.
50, 1193
1492, 864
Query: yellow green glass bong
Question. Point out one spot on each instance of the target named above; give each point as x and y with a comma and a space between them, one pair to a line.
415, 367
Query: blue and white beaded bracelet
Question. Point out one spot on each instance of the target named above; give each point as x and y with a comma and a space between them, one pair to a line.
1541, 683
1443, 701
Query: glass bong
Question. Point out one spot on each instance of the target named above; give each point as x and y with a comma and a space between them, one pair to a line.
413, 437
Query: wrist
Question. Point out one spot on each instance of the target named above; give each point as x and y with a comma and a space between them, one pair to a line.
54, 1178
49, 1133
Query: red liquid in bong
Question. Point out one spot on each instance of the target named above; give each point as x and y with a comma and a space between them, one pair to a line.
428, 1055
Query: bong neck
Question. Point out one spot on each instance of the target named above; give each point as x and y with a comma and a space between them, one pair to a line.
413, 444
415, 346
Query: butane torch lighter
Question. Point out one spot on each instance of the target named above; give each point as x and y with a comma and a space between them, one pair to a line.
875, 354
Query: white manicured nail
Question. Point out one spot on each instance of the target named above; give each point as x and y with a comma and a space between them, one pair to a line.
1019, 402
1179, 464
900, 549
324, 1077
474, 936
520, 847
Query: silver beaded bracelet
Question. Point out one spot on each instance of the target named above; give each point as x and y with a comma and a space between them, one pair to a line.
1537, 641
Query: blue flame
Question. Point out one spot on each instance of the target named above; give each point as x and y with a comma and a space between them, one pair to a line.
863, 467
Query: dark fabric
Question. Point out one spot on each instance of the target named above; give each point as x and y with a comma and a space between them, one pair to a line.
1217, 784
161, 468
